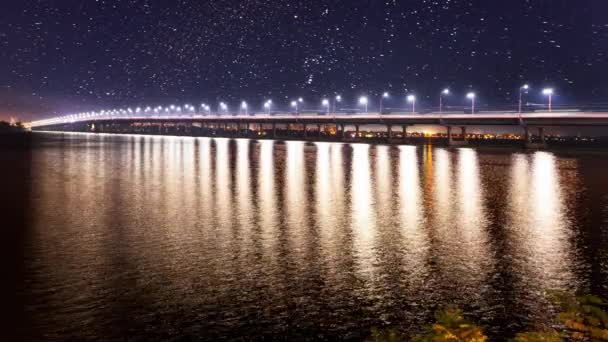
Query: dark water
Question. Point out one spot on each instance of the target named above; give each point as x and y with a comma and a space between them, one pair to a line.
134, 237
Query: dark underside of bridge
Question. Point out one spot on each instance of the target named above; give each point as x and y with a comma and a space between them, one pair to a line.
395, 131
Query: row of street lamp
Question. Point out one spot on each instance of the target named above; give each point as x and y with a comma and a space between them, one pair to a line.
328, 104
364, 102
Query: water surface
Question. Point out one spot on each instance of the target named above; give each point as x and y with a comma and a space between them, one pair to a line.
144, 237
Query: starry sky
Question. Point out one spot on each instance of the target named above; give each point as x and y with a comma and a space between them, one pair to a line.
66, 56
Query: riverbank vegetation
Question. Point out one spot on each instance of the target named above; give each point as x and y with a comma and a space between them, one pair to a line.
6, 127
580, 318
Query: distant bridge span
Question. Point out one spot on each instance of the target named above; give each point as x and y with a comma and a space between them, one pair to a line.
300, 124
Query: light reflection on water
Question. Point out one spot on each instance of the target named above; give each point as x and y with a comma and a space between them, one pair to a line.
219, 237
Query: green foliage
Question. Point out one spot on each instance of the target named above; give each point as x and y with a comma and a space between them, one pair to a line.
387, 335
450, 325
545, 336
585, 316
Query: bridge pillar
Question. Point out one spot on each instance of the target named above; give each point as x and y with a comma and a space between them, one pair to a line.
341, 131
274, 130
304, 126
404, 132
541, 134
527, 135
450, 141
357, 131
389, 132
319, 131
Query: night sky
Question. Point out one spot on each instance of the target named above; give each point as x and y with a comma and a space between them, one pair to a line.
67, 56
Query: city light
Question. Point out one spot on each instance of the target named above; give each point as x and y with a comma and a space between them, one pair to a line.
412, 99
325, 103
244, 107
445, 92
384, 96
471, 96
363, 101
549, 93
522, 89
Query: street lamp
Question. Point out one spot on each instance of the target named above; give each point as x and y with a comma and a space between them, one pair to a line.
267, 105
384, 96
223, 107
294, 104
363, 101
338, 98
244, 107
412, 99
549, 93
326, 104
471, 96
522, 89
445, 92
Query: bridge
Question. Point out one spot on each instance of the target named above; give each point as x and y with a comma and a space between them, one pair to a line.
317, 126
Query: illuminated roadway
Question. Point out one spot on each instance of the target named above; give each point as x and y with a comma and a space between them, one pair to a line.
555, 118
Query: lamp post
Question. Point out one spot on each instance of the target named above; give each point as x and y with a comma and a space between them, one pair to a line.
294, 104
363, 101
337, 99
267, 105
384, 96
445, 92
412, 99
325, 103
223, 107
244, 107
471, 96
549, 93
522, 89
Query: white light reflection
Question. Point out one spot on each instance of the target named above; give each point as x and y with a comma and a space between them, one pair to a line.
223, 187
243, 189
538, 225
383, 186
296, 198
476, 257
267, 200
415, 238
364, 221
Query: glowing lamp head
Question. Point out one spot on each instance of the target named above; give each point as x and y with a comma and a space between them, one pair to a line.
244, 105
446, 91
300, 100
385, 95
294, 103
325, 102
547, 91
363, 100
471, 96
338, 98
525, 87
411, 98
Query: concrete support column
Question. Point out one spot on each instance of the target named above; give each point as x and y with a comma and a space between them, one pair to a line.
450, 141
463, 130
527, 135
541, 134
357, 131
342, 131
305, 131
389, 131
404, 132
319, 131
274, 130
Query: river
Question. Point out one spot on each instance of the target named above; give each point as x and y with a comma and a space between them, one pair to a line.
149, 237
